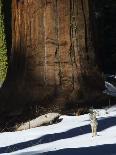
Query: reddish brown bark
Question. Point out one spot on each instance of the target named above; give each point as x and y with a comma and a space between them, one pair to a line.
53, 59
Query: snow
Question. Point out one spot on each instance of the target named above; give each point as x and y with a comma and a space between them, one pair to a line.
39, 121
112, 76
110, 89
71, 136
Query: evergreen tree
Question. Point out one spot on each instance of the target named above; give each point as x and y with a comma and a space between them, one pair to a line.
3, 49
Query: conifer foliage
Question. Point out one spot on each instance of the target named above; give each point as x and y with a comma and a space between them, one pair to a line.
3, 48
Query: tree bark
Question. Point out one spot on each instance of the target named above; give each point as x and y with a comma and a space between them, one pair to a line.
52, 58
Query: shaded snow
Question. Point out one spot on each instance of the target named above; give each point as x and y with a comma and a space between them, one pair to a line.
110, 89
71, 136
112, 76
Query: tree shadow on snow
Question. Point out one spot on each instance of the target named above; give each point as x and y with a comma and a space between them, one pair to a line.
108, 149
103, 124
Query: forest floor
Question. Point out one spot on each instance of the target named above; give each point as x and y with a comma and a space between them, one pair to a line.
71, 136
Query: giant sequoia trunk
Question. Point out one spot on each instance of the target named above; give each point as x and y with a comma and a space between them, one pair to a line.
52, 59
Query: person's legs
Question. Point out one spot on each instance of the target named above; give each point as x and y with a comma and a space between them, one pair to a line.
95, 130
92, 129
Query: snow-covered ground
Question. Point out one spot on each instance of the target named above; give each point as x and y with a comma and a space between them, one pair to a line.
71, 136
110, 89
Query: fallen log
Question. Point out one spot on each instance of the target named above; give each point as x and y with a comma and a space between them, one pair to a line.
46, 119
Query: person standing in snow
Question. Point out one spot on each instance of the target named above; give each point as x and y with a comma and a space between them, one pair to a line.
93, 123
